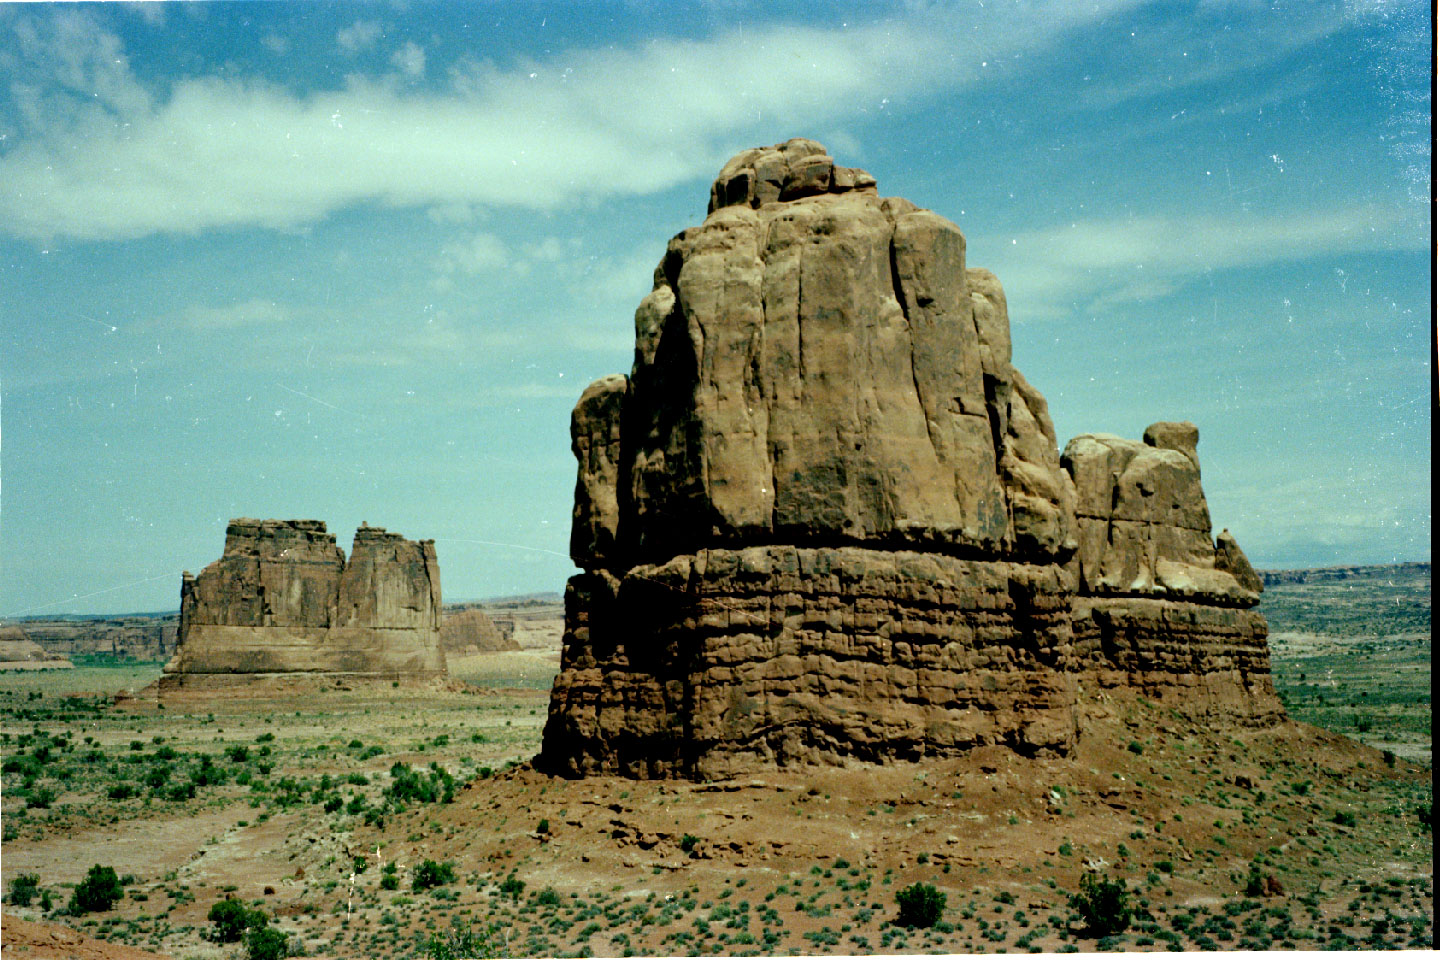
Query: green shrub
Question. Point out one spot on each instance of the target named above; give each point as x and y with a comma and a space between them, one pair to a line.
1344, 818
1103, 904
266, 943
1136, 747
40, 798
543, 826
463, 942
548, 897
232, 918
389, 882
688, 841
97, 892
430, 874
920, 905
513, 886
23, 889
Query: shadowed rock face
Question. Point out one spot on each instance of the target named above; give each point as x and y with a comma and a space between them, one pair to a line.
283, 599
825, 517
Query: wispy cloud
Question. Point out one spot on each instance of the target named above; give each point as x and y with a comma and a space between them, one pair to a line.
1098, 263
359, 36
250, 313
410, 60
578, 125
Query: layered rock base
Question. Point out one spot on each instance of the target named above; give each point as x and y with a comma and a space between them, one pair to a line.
825, 519
714, 662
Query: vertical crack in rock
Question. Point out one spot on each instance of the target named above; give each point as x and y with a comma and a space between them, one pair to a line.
899, 563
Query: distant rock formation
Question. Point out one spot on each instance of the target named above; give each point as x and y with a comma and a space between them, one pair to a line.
135, 637
469, 630
19, 652
825, 517
282, 599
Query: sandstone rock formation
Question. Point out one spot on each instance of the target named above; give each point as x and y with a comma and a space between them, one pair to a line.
825, 517
282, 599
19, 652
469, 630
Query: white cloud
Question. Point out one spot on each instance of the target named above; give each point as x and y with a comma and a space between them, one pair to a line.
580, 125
359, 36
151, 11
276, 44
479, 253
250, 313
410, 60
1099, 263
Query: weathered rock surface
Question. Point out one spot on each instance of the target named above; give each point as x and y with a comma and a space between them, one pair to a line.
283, 599
825, 517
468, 630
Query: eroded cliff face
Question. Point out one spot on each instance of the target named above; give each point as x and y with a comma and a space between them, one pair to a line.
283, 599
826, 518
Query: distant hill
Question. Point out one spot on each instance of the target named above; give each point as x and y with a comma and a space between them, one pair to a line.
1330, 574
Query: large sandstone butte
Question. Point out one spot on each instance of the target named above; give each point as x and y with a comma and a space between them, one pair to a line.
825, 518
284, 600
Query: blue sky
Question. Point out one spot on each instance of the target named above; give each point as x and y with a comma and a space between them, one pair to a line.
356, 261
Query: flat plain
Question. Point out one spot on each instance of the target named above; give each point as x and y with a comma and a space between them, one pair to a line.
406, 821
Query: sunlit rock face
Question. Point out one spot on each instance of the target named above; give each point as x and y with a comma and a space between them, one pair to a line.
283, 599
825, 518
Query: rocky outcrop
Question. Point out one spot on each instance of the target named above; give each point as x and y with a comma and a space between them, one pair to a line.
825, 518
469, 630
19, 652
282, 599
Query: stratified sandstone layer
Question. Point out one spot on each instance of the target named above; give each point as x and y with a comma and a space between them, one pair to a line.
825, 518
282, 599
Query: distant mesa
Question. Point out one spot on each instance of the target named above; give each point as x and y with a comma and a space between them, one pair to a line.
19, 652
468, 630
825, 519
284, 600
136, 637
